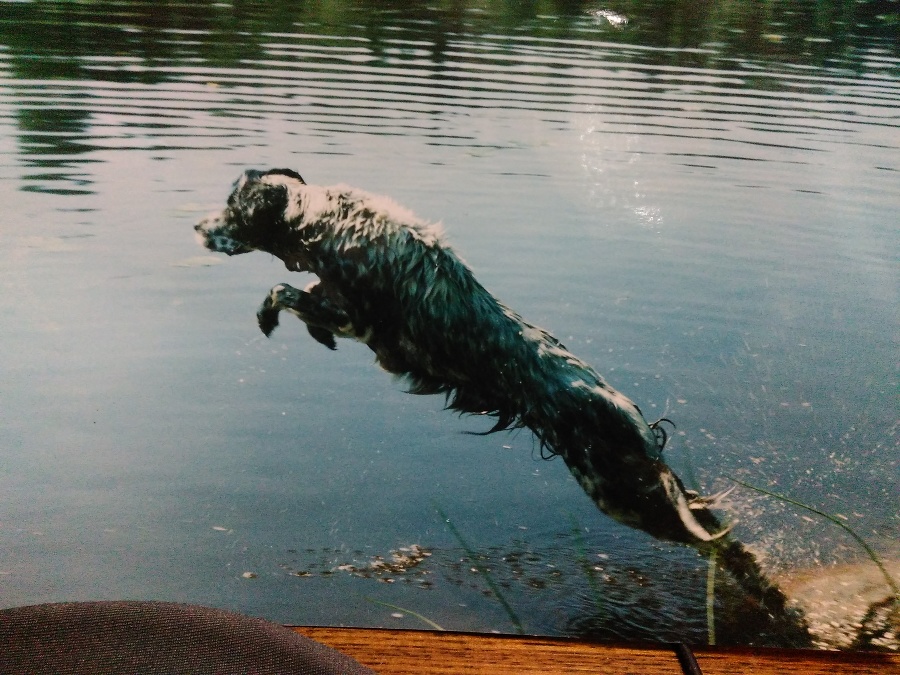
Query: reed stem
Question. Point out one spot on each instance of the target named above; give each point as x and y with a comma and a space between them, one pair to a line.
711, 599
586, 564
484, 572
408, 611
891, 582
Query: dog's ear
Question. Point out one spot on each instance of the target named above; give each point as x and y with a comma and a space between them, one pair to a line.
290, 173
260, 206
244, 178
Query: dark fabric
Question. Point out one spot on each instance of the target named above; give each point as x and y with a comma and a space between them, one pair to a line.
156, 637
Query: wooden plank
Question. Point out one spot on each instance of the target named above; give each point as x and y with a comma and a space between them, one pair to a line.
409, 651
736, 661
406, 651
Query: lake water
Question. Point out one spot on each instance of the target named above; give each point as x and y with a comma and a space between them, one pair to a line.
700, 200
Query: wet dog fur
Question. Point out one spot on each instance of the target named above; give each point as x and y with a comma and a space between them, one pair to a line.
389, 280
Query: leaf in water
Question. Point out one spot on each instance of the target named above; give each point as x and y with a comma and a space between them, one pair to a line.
50, 244
615, 20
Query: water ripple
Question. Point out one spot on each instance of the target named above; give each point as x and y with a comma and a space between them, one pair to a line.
410, 83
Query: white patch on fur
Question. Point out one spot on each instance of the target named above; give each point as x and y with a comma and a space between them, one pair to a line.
314, 202
295, 206
317, 203
365, 337
676, 496
618, 399
533, 334
383, 205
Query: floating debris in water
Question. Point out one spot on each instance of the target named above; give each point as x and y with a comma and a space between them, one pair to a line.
401, 562
614, 19
627, 601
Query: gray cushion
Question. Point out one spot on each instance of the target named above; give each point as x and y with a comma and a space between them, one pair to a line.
156, 637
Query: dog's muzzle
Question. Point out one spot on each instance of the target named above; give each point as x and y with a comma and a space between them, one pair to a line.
211, 234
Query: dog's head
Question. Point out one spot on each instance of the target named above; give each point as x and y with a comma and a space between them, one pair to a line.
255, 214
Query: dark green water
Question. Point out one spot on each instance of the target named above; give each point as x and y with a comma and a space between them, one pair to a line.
700, 199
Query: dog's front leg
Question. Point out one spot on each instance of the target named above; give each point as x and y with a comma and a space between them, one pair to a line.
323, 318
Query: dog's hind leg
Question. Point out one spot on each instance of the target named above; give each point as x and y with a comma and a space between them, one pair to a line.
322, 317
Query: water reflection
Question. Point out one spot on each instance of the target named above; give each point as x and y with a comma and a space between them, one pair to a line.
86, 77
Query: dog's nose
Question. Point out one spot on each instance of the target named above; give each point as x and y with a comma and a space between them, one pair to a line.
205, 226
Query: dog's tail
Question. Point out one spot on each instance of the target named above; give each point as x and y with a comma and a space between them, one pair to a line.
617, 459
616, 456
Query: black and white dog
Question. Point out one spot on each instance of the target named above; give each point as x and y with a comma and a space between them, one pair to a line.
387, 279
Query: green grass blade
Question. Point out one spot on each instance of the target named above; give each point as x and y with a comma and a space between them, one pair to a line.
891, 582
483, 571
711, 599
586, 564
408, 611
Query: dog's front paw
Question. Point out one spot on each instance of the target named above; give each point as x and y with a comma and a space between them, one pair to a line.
268, 319
323, 319
267, 314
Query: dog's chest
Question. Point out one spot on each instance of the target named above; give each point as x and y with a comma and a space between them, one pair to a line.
299, 260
